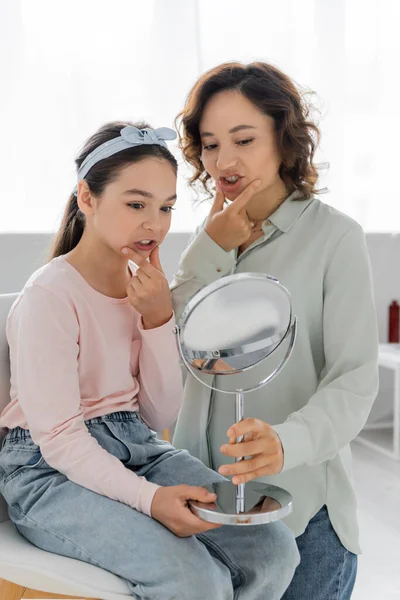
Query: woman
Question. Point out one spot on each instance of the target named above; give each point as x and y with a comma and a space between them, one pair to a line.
247, 128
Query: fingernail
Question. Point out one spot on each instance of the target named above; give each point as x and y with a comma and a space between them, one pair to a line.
229, 433
223, 470
223, 448
124, 250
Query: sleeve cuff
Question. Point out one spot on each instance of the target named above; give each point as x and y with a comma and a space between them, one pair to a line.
146, 496
165, 329
206, 260
296, 443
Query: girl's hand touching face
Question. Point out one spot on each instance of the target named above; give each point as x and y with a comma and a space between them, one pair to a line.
148, 289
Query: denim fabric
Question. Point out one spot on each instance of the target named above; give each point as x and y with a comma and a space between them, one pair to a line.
57, 515
327, 570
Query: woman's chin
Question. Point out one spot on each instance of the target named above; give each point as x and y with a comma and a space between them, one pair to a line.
231, 196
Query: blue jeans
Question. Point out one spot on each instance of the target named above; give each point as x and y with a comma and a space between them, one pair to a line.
62, 517
327, 570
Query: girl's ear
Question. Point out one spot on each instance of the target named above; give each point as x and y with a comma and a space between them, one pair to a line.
85, 199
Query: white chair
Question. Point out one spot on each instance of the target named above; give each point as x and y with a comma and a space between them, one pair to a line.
23, 563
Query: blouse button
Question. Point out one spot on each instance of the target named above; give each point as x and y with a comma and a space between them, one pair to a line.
219, 270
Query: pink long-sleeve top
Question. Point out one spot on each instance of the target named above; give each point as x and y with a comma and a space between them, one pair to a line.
77, 354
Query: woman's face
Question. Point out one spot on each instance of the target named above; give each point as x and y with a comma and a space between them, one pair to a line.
238, 144
136, 208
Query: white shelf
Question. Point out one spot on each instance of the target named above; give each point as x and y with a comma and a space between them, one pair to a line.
384, 437
389, 355
380, 439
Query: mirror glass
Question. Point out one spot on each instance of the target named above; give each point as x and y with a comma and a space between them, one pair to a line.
235, 324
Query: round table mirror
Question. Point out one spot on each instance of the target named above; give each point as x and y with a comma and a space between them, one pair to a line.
229, 327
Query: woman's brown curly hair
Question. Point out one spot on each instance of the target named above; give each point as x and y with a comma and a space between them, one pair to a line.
275, 94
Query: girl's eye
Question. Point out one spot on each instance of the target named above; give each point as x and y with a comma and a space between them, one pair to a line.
245, 142
139, 206
210, 147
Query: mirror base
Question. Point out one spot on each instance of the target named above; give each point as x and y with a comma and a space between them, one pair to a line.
263, 503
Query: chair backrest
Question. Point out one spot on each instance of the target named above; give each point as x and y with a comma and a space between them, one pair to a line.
6, 300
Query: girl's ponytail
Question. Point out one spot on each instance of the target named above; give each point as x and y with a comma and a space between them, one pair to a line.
71, 229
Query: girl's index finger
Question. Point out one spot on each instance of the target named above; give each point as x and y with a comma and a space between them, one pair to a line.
139, 262
134, 257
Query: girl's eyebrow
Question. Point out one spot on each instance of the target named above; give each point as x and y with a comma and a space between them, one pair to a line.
145, 194
233, 130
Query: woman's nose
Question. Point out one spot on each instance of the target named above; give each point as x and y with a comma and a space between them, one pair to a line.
226, 159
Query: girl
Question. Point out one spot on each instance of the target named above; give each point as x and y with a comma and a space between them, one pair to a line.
94, 366
246, 128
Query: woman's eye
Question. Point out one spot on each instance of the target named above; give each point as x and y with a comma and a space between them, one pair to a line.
245, 142
239, 143
136, 205
167, 209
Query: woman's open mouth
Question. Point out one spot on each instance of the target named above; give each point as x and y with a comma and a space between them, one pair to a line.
230, 184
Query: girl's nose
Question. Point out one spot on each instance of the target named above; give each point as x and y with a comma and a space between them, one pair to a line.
151, 225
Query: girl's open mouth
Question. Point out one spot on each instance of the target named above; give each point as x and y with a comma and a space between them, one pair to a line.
145, 245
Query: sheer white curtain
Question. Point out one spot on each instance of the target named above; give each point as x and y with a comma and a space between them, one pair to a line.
67, 67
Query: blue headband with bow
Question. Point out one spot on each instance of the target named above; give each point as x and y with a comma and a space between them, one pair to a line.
129, 136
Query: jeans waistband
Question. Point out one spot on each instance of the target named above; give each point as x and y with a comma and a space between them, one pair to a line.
17, 433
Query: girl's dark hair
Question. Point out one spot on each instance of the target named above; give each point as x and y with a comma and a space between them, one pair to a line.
275, 94
101, 174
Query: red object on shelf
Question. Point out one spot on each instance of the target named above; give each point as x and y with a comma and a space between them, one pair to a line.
394, 311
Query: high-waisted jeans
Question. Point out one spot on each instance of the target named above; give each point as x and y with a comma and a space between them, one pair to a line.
57, 515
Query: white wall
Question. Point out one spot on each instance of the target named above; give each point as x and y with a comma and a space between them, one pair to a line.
21, 254
384, 250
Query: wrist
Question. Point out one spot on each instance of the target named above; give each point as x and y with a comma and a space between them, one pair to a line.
211, 234
153, 502
149, 323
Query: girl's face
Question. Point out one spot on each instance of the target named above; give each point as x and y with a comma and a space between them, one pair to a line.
238, 144
135, 209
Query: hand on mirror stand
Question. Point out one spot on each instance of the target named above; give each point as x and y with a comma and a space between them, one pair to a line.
261, 443
170, 507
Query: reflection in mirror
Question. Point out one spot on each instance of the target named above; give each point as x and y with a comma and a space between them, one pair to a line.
238, 323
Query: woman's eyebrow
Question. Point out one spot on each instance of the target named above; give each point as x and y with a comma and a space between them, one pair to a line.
233, 130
